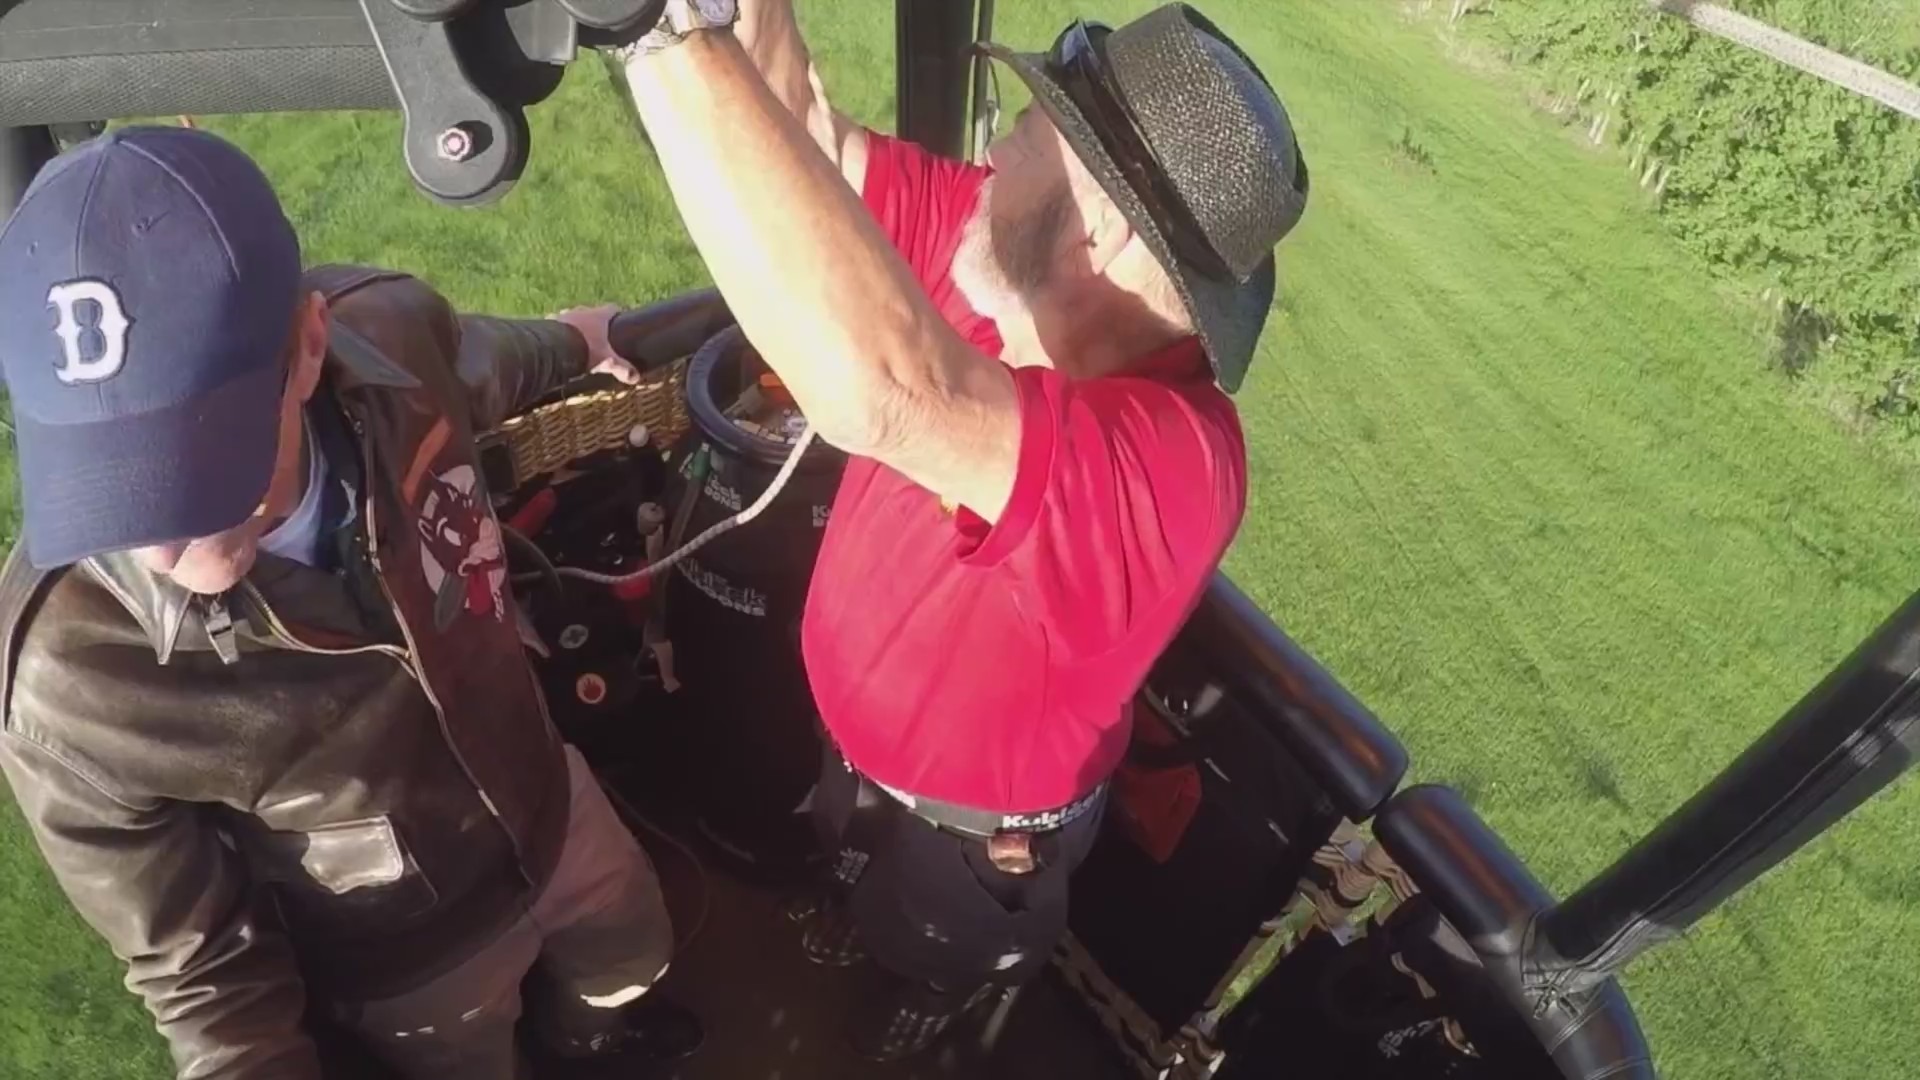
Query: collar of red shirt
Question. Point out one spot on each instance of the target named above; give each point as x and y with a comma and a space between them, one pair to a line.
1183, 360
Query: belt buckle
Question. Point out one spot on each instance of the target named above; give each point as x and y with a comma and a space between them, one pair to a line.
1012, 853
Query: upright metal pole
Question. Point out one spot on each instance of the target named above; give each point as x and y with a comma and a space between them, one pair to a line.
1848, 738
23, 150
986, 105
933, 58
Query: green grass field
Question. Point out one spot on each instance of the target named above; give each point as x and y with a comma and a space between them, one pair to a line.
1521, 479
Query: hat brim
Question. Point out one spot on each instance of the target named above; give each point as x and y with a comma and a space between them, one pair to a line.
1227, 315
180, 473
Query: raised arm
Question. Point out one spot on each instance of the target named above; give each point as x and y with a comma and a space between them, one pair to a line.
828, 301
504, 365
508, 364
770, 33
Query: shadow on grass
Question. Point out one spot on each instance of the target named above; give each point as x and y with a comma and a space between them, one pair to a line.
1598, 779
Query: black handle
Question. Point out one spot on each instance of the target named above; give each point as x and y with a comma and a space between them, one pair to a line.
654, 336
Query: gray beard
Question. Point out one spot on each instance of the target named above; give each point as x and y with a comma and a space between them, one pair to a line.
1023, 248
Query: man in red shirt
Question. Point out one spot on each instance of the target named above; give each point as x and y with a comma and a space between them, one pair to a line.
1025, 362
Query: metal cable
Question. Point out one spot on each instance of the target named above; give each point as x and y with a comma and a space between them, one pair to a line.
626, 809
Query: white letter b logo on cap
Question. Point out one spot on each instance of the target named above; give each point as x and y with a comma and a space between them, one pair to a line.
108, 319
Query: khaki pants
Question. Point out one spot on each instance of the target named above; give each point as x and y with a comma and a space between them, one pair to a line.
599, 935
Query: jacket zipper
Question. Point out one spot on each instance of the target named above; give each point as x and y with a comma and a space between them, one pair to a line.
407, 662
286, 636
413, 652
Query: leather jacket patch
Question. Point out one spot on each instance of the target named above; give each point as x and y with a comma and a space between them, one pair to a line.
460, 552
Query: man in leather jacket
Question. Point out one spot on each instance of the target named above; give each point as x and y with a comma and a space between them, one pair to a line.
267, 710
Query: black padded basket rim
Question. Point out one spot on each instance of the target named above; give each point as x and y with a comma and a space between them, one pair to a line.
710, 420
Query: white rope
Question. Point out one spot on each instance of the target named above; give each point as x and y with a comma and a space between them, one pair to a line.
766, 498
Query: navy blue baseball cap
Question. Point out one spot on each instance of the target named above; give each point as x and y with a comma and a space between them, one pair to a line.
148, 285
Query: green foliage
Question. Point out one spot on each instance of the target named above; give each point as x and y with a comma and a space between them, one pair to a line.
1779, 179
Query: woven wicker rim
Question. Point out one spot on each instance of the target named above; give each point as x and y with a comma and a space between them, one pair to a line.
557, 434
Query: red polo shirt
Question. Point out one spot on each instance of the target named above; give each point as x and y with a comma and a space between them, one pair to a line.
993, 666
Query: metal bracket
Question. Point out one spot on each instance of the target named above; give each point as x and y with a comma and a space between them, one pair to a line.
463, 147
464, 72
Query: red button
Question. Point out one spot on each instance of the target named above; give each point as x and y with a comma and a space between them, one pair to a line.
591, 688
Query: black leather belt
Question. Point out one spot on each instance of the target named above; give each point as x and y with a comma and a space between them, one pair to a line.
986, 824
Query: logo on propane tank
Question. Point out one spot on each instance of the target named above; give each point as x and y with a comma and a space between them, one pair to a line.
723, 494
744, 600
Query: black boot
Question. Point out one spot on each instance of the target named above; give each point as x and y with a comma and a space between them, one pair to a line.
655, 1030
906, 1018
827, 932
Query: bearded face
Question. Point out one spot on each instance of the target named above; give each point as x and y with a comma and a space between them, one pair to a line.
1017, 242
1026, 235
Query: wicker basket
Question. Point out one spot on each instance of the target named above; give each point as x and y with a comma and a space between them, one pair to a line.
555, 435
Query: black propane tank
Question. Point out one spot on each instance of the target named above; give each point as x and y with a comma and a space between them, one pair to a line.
733, 609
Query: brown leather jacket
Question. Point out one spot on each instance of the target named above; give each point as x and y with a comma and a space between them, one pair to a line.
369, 744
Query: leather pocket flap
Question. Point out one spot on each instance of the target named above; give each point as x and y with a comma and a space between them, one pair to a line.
344, 857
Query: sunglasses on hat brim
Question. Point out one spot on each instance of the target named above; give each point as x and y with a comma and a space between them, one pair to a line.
1078, 63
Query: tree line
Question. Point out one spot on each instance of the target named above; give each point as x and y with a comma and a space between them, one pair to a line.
1805, 191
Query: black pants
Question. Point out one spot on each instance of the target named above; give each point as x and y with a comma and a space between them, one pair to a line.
929, 904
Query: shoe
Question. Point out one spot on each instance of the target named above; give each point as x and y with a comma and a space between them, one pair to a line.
802, 905
664, 1029
895, 1026
828, 935
655, 1030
